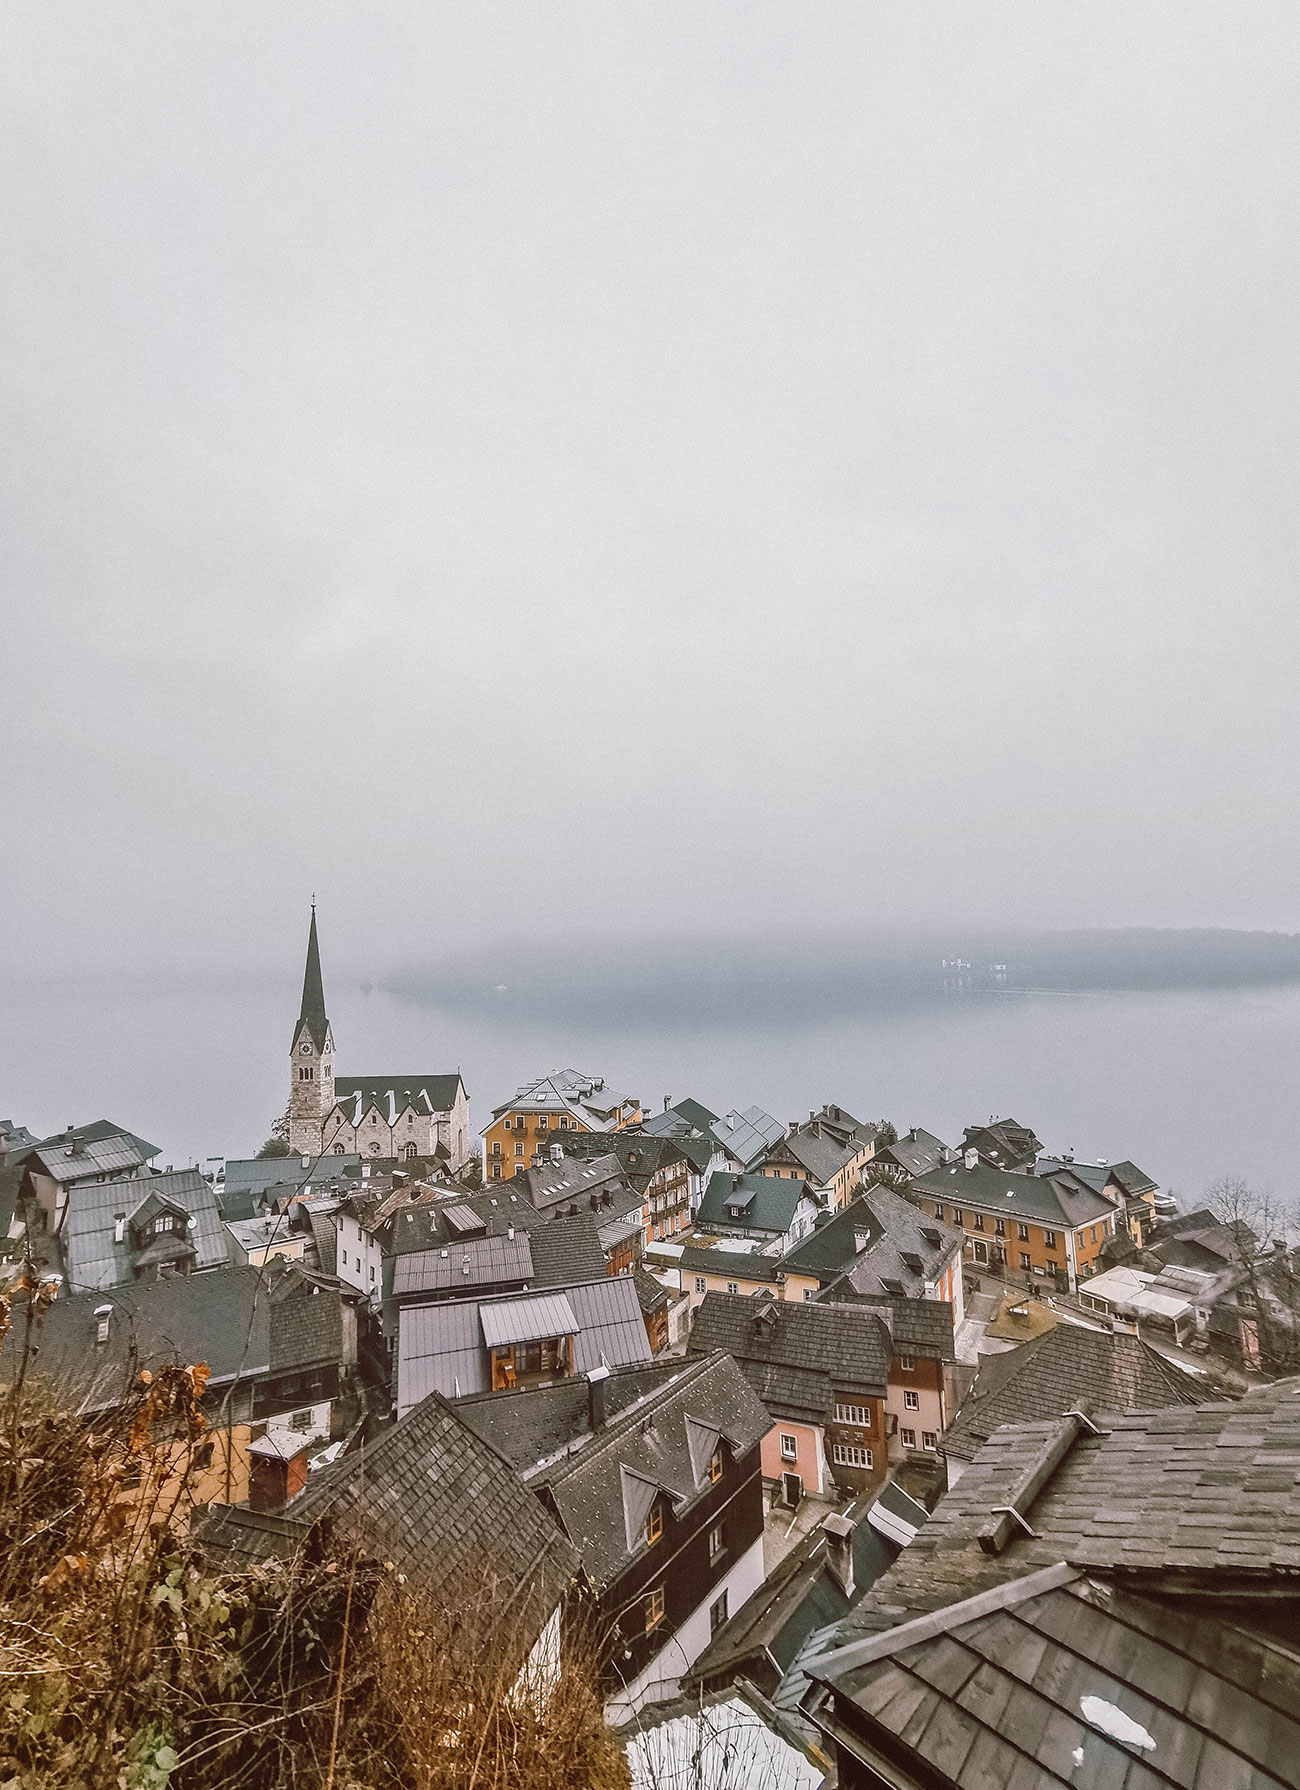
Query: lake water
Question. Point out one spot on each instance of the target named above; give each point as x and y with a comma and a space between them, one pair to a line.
1189, 1085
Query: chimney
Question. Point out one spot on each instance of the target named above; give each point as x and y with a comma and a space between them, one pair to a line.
596, 1396
510, 1233
971, 1158
103, 1317
668, 1099
838, 1531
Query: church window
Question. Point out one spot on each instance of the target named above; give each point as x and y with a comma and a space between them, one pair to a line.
409, 1152
339, 1150
374, 1149
306, 1048
306, 1073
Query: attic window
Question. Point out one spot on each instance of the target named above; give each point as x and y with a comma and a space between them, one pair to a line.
654, 1524
894, 1287
715, 1466
103, 1317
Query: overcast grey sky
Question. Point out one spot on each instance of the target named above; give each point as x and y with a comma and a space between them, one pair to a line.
629, 468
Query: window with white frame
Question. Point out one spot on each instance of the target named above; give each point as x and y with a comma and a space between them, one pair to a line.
929, 1439
859, 1414
912, 1401
733, 1286
789, 1447
908, 1438
844, 1454
907, 1363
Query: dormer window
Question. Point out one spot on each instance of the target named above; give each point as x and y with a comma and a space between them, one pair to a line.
165, 1224
715, 1466
654, 1524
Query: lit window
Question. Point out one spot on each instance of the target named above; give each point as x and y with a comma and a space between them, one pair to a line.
929, 1439
789, 1447
654, 1524
654, 1609
909, 1438
846, 1455
715, 1466
912, 1401
858, 1414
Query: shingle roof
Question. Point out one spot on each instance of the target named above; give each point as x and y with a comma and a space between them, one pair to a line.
920, 1327
567, 1091
654, 1443
439, 1501
94, 1259
577, 1180
1047, 1376
441, 1347
689, 1112
532, 1424
894, 1228
241, 1321
847, 1342
741, 1264
1060, 1680
1040, 1197
918, 1151
1006, 1144
769, 1201
86, 1158
821, 1156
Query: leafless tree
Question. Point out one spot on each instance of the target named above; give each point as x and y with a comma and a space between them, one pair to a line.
1263, 1226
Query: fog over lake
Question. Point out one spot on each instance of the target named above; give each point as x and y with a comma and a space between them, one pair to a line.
1192, 1075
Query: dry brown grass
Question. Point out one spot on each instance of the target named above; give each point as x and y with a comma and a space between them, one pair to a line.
128, 1659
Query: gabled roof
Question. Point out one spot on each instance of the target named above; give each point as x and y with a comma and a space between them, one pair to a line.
819, 1155
93, 1257
866, 1243
1039, 1197
1047, 1376
920, 1327
536, 1425
1003, 1143
603, 1491
767, 1202
394, 1094
241, 1321
312, 1013
917, 1151
578, 1180
697, 1258
746, 1135
686, 1112
441, 1503
848, 1343
569, 1091
81, 1156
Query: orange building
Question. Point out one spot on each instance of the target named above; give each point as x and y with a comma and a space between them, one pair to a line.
1033, 1227
546, 1111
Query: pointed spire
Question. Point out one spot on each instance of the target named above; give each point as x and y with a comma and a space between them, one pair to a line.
313, 990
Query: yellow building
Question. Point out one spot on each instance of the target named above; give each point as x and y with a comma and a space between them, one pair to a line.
545, 1111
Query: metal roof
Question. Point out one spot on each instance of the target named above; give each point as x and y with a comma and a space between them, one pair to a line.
464, 1219
481, 1261
527, 1320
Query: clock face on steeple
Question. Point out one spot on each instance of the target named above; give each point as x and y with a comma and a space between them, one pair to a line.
305, 1048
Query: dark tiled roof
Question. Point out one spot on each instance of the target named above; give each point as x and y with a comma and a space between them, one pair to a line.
435, 1093
440, 1502
820, 1156
576, 1181
846, 1342
918, 1152
920, 1327
894, 1228
531, 1425
1047, 1376
1177, 1495
770, 1201
689, 1112
1040, 1197
739, 1263
239, 1320
654, 1296
588, 1487
1004, 1143
1024, 1686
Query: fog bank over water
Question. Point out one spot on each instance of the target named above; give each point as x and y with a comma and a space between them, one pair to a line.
729, 983
1193, 1074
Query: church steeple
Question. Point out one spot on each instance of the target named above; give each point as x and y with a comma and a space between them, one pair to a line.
313, 992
